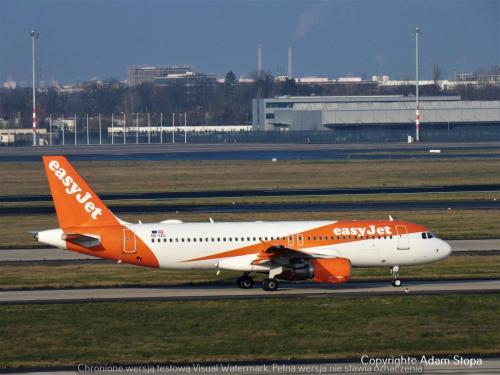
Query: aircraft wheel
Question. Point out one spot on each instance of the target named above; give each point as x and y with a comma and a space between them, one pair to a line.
396, 282
245, 282
270, 285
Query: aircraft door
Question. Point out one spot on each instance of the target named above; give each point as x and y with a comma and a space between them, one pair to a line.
403, 238
129, 242
300, 240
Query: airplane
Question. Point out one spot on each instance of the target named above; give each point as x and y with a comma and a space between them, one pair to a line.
322, 251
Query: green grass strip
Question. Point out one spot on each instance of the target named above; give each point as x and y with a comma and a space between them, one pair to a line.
339, 327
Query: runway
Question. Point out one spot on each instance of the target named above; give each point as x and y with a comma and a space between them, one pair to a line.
47, 255
464, 364
478, 204
271, 193
287, 290
470, 364
254, 151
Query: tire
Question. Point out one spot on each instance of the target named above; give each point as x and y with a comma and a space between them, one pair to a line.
245, 282
396, 283
270, 285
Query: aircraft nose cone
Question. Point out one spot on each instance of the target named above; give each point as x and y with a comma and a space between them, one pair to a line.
444, 249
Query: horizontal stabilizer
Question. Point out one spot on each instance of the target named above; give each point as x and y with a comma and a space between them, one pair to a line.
84, 240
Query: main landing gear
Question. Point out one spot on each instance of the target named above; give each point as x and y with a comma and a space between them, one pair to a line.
270, 285
395, 276
245, 282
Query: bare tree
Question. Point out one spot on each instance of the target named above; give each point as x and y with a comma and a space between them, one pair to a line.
436, 74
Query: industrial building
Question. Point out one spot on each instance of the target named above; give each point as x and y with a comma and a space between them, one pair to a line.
167, 74
316, 113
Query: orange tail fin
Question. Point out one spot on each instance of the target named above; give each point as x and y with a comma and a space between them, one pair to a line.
76, 204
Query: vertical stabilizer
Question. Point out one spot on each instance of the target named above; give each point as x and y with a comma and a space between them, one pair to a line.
75, 202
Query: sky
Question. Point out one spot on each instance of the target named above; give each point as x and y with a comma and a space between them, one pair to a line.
82, 40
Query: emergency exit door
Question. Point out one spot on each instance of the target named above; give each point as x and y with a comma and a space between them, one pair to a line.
403, 238
129, 242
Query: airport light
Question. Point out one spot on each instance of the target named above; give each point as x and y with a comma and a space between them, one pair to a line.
137, 128
112, 128
63, 125
100, 133
124, 121
50, 129
161, 128
88, 142
417, 110
76, 140
149, 130
173, 127
34, 35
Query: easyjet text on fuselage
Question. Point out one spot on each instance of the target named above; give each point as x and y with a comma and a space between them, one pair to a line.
371, 230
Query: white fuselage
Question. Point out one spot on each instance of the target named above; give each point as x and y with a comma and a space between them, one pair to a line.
179, 243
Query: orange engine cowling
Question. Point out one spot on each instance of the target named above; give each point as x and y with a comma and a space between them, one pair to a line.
334, 271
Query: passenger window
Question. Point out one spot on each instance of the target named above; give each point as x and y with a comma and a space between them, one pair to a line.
171, 240
218, 239
224, 239
255, 238
430, 235
424, 236
194, 240
152, 240
182, 239
265, 238
189, 239
309, 238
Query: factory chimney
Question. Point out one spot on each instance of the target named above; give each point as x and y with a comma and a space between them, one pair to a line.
289, 62
259, 61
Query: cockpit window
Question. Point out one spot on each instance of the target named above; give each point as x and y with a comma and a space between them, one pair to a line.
424, 236
430, 235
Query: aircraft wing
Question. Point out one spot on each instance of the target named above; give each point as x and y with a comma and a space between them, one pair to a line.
283, 254
85, 240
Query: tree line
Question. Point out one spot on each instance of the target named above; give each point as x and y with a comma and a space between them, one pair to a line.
224, 103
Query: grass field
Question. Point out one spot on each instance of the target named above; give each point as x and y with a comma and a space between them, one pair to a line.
144, 176
44, 335
90, 275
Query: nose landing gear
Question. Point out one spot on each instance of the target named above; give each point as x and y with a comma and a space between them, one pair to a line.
395, 276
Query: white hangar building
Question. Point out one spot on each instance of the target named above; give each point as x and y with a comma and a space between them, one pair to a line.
314, 113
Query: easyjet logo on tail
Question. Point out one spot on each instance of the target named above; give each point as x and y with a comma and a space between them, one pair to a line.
72, 188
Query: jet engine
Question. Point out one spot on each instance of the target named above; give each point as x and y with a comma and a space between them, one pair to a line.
333, 271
